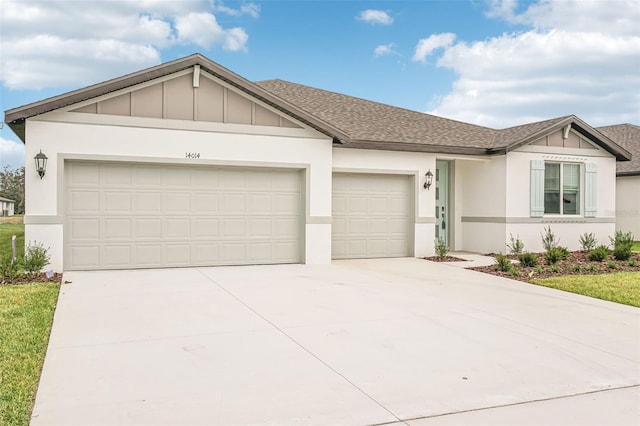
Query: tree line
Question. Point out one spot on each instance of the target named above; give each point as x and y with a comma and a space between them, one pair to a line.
12, 186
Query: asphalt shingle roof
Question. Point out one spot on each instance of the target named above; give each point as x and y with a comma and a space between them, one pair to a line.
627, 136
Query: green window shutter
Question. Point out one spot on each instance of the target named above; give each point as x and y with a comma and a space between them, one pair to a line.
537, 188
590, 193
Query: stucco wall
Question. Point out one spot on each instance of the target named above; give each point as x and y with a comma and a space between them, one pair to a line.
628, 205
60, 140
409, 163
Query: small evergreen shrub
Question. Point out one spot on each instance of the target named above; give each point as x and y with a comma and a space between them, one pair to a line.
515, 272
441, 247
632, 263
528, 259
611, 264
539, 270
36, 257
549, 239
516, 245
564, 252
503, 263
599, 253
592, 267
588, 241
10, 268
576, 268
554, 255
622, 243
555, 269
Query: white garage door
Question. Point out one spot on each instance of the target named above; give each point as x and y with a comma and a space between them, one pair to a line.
149, 216
371, 216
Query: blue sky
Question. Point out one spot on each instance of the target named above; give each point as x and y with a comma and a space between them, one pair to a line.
496, 63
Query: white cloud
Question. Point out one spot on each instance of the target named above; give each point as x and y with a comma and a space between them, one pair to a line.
578, 58
375, 17
428, 45
384, 49
104, 39
11, 153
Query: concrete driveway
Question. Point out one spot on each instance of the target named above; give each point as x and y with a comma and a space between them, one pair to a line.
364, 342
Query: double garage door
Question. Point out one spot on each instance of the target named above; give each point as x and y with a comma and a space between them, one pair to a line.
147, 216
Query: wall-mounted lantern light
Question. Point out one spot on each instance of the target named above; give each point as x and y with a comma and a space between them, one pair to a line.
41, 163
428, 179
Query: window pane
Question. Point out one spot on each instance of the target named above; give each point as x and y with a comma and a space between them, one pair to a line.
571, 189
552, 188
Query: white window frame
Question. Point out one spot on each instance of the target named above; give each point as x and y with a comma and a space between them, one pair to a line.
581, 189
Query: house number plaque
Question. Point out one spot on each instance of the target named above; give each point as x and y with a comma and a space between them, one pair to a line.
192, 155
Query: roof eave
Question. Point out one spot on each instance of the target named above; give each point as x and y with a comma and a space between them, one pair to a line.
416, 147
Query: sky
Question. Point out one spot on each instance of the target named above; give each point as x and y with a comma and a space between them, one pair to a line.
496, 63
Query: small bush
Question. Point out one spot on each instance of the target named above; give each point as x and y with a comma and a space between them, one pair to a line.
503, 263
528, 260
632, 263
36, 257
549, 239
554, 255
564, 252
622, 245
10, 268
515, 272
599, 253
555, 269
539, 270
441, 247
588, 241
516, 245
576, 268
611, 264
592, 267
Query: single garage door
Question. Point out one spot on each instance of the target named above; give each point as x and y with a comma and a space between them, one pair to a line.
371, 216
149, 216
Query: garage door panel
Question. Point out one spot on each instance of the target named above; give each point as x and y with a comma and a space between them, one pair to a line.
371, 215
154, 216
118, 228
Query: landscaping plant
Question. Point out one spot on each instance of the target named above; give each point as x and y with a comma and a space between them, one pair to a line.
549, 239
622, 244
555, 255
36, 257
516, 245
529, 260
599, 253
441, 247
503, 263
588, 241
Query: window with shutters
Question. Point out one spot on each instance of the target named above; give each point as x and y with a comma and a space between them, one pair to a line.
562, 188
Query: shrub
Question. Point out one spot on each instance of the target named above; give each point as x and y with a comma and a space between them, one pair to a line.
611, 264
441, 247
555, 269
539, 270
588, 241
576, 268
10, 268
549, 239
528, 259
592, 267
36, 257
564, 252
515, 272
599, 253
516, 245
554, 255
632, 262
503, 263
622, 244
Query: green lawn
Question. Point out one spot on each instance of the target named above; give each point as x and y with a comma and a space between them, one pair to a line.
636, 247
8, 229
26, 313
621, 287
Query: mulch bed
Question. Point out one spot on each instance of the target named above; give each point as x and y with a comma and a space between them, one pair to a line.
565, 267
444, 259
35, 278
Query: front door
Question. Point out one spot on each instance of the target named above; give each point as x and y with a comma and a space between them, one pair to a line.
442, 200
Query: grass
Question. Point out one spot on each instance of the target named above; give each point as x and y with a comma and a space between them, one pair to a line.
26, 314
621, 287
636, 247
10, 226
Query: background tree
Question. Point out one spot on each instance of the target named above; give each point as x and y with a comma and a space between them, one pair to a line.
12, 186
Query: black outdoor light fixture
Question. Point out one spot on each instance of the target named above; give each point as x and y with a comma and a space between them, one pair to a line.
428, 179
41, 163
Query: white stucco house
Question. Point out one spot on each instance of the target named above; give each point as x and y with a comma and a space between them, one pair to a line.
628, 178
7, 207
187, 163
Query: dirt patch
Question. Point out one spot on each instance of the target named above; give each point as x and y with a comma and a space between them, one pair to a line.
12, 219
35, 278
576, 263
445, 259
